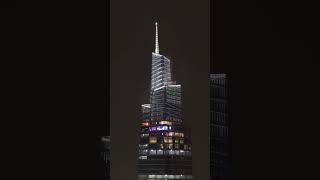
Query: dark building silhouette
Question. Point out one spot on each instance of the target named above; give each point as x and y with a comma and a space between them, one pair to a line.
105, 154
164, 147
219, 128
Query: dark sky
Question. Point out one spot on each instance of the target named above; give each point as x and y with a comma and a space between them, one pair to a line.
184, 38
8, 4
270, 51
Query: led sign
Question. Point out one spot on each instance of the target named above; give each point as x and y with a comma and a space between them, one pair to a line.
158, 128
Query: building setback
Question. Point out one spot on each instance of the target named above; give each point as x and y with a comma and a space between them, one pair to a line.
164, 147
219, 128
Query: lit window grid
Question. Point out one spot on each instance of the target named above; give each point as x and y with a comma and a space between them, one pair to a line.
165, 104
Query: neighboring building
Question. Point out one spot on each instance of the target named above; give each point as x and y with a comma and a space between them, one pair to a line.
105, 154
164, 147
219, 128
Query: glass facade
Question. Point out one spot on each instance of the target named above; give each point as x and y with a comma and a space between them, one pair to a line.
105, 153
219, 128
164, 147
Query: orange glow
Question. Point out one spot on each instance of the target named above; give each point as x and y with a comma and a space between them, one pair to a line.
145, 124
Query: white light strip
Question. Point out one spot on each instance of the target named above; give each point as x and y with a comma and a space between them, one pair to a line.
157, 69
179, 85
156, 73
156, 86
154, 66
159, 88
157, 77
157, 43
157, 81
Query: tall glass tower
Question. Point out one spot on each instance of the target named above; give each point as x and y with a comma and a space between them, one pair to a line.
219, 128
164, 147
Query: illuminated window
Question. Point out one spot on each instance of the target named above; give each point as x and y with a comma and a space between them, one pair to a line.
185, 147
161, 146
170, 146
171, 134
176, 146
152, 176
145, 129
143, 157
182, 152
181, 140
158, 128
159, 176
145, 152
152, 139
161, 128
167, 139
145, 135
145, 124
152, 152
171, 152
176, 140
160, 152
179, 134
165, 122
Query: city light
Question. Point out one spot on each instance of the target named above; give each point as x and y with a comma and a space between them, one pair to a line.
161, 126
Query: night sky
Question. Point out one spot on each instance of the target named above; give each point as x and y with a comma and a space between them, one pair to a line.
184, 38
269, 50
8, 4
270, 53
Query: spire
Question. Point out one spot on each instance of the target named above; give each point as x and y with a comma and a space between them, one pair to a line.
157, 43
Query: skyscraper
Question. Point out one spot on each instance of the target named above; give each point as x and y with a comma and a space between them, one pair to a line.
219, 128
105, 154
164, 147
